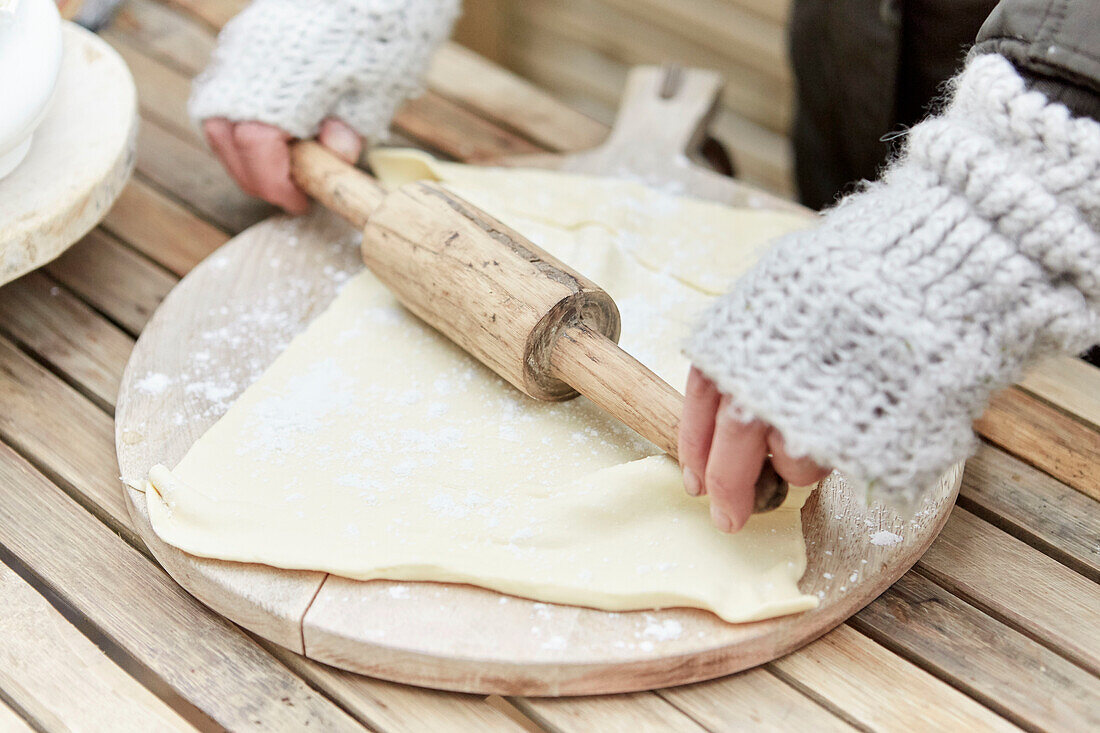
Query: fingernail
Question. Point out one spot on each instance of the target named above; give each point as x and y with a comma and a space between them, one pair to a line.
692, 484
721, 521
343, 142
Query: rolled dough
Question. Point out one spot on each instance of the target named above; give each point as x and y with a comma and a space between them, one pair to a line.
374, 448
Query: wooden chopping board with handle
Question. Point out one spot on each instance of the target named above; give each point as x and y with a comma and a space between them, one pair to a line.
234, 313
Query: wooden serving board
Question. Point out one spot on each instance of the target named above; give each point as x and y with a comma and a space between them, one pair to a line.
233, 314
80, 158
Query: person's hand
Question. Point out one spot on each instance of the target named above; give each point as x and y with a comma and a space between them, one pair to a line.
258, 157
722, 456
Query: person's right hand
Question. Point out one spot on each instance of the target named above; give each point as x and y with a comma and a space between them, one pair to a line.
722, 456
257, 156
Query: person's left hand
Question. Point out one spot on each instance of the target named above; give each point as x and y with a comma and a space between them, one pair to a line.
257, 156
722, 456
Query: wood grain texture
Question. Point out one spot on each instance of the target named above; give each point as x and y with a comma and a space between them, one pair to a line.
60, 678
508, 100
871, 681
589, 80
726, 28
1003, 669
215, 13
60, 330
596, 367
113, 279
621, 36
869, 677
449, 128
207, 660
170, 36
752, 700
342, 188
82, 463
12, 721
389, 706
877, 689
79, 161
1044, 437
162, 89
71, 442
620, 713
482, 284
161, 229
1056, 519
1017, 585
1068, 383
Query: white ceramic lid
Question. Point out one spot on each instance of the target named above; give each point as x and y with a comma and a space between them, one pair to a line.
30, 59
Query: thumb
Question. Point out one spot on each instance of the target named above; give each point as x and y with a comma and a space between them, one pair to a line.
341, 139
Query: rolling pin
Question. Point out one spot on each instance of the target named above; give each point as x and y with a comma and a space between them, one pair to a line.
532, 319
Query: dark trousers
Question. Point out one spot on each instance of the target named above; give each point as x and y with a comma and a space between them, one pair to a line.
865, 69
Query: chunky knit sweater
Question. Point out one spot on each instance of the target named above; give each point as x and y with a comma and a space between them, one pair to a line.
871, 342
292, 63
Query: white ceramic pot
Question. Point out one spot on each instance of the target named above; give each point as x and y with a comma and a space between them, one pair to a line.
30, 59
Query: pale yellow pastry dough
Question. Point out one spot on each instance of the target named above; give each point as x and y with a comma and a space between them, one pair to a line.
374, 448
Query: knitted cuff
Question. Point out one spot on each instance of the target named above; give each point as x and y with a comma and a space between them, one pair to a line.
292, 63
872, 342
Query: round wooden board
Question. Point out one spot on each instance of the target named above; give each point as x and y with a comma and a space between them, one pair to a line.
228, 319
80, 157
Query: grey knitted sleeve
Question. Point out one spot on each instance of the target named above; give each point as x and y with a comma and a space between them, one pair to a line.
872, 342
292, 63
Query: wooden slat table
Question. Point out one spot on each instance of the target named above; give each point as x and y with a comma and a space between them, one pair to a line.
995, 628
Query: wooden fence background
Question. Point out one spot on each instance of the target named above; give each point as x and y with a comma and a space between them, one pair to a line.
581, 50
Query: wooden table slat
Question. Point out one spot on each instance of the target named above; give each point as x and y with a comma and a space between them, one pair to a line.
451, 129
623, 38
206, 659
113, 278
1018, 585
628, 713
161, 229
462, 76
162, 89
66, 436
1045, 437
752, 699
1057, 519
62, 331
391, 706
174, 37
1070, 384
877, 689
12, 721
59, 678
215, 13
1014, 675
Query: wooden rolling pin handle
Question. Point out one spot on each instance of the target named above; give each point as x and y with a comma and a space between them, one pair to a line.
345, 189
596, 367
